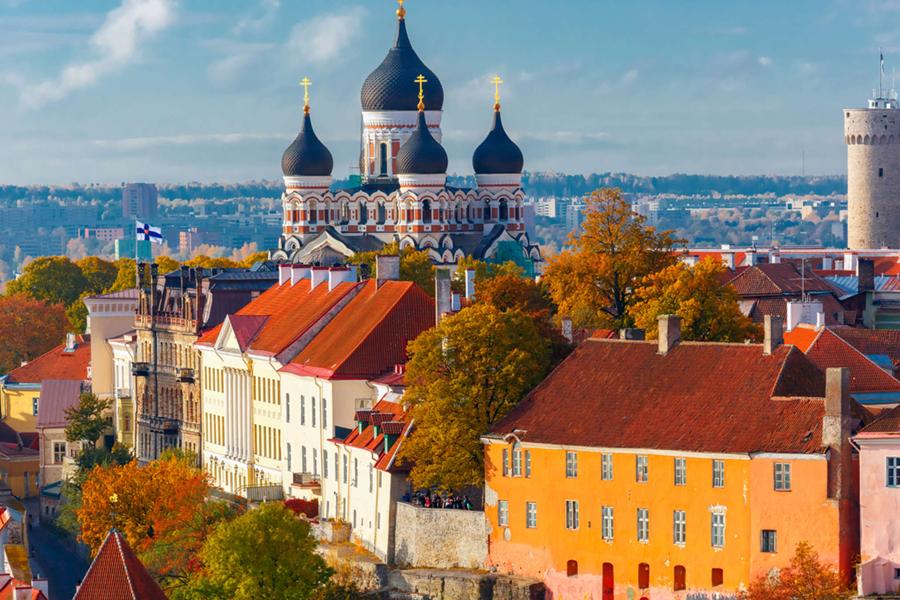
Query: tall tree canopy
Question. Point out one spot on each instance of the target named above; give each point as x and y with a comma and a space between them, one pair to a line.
594, 278
463, 376
86, 421
98, 273
28, 328
53, 279
708, 309
265, 553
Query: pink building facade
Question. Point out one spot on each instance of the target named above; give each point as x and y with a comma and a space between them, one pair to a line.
879, 494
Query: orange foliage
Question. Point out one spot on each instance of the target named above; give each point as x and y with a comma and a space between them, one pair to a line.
28, 328
806, 578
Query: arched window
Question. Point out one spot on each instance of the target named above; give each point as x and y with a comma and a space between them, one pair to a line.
382, 214
643, 576
312, 215
680, 578
344, 211
571, 568
504, 211
426, 211
384, 158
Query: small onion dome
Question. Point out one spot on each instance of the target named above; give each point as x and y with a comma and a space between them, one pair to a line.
421, 154
387, 87
307, 156
497, 154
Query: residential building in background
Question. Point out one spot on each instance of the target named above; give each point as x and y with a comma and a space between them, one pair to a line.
104, 234
139, 201
57, 454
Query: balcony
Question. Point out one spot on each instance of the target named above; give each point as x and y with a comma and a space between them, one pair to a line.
185, 375
140, 369
306, 481
170, 427
123, 393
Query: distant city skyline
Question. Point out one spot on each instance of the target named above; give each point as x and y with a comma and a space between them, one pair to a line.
196, 90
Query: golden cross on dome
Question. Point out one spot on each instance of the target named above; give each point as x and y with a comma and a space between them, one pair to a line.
306, 82
496, 81
401, 12
421, 81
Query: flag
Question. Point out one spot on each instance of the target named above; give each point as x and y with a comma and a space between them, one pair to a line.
146, 232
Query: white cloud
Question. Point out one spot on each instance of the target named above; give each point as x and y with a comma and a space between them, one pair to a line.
625, 80
323, 38
269, 9
141, 143
115, 44
764, 61
238, 59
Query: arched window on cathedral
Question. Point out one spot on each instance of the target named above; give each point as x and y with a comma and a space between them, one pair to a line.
381, 217
363, 213
384, 159
344, 211
312, 215
426, 211
504, 211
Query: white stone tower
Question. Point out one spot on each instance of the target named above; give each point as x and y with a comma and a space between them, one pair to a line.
872, 135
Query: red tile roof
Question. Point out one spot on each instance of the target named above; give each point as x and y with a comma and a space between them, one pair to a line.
369, 335
802, 336
8, 586
387, 413
829, 350
117, 574
56, 397
873, 341
55, 364
888, 422
15, 451
701, 397
777, 306
777, 279
292, 310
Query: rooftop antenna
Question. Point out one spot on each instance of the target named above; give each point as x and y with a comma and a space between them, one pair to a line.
881, 73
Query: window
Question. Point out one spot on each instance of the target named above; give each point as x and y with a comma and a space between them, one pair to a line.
896, 573
528, 463
717, 533
531, 515
34, 406
315, 457
680, 471
606, 467
679, 527
503, 513
880, 172
641, 469
643, 525
325, 464
312, 412
324, 413
718, 477
287, 408
345, 468
680, 578
767, 541
606, 523
506, 462
571, 465
303, 459
571, 568
718, 577
517, 460
355, 472
571, 514
302, 410
893, 471
783, 477
371, 479
59, 452
643, 576
289, 457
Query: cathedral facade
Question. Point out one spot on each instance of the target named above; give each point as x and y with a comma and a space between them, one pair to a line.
403, 195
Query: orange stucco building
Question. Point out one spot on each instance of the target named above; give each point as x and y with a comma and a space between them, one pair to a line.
667, 469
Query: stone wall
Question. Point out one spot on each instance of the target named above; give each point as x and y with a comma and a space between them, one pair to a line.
440, 538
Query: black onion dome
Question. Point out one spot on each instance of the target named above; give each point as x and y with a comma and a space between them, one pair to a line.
307, 156
497, 154
391, 86
421, 154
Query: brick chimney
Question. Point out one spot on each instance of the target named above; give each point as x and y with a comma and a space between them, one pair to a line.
836, 428
318, 275
566, 329
669, 332
631, 333
773, 333
865, 270
387, 268
442, 293
284, 273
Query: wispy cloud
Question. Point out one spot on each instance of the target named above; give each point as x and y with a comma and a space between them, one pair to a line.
141, 143
237, 60
259, 21
625, 80
115, 44
764, 61
323, 38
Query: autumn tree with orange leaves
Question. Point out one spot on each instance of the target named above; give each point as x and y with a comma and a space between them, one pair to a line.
28, 328
805, 578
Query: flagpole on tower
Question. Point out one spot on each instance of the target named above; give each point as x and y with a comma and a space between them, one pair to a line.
137, 276
881, 73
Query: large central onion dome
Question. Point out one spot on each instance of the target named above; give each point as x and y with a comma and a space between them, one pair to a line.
387, 87
307, 156
497, 154
421, 154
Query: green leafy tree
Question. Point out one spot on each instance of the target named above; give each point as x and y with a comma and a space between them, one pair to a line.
100, 274
125, 275
77, 314
709, 311
166, 264
254, 258
53, 279
28, 328
264, 553
87, 420
483, 271
463, 376
593, 280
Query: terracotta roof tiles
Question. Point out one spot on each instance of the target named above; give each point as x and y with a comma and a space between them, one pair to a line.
117, 574
55, 364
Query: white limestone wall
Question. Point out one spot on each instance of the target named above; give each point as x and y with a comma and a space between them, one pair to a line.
873, 177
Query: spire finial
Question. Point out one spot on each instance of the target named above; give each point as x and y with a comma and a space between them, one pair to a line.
421, 81
401, 12
306, 82
496, 81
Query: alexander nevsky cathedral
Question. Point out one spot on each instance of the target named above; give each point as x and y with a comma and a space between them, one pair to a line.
403, 194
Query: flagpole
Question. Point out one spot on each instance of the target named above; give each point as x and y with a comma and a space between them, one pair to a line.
137, 276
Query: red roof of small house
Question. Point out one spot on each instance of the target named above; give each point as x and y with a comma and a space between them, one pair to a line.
57, 395
17, 452
9, 585
56, 364
827, 349
289, 311
117, 574
758, 308
699, 397
369, 335
886, 424
29, 439
392, 419
873, 341
776, 279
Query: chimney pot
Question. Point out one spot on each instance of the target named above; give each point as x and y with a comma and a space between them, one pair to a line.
631, 333
442, 292
773, 333
387, 268
566, 329
669, 332
299, 272
837, 392
318, 275
284, 273
339, 275
865, 271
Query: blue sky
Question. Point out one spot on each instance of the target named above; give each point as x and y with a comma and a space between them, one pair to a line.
206, 90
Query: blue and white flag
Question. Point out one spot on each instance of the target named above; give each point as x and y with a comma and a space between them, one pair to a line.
146, 232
